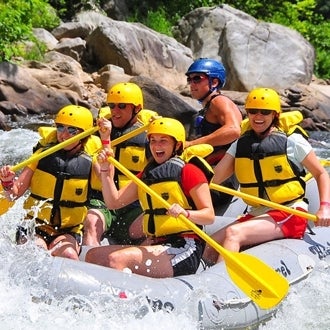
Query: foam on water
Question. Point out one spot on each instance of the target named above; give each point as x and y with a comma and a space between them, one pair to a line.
26, 302
307, 306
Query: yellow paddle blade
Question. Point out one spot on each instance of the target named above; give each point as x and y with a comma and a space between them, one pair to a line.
257, 280
5, 204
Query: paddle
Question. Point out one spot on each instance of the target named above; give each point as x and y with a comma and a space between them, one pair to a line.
262, 201
5, 204
257, 280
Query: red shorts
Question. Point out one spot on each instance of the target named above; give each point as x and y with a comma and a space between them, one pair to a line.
292, 226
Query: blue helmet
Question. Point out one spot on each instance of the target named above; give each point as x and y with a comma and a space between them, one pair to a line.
212, 68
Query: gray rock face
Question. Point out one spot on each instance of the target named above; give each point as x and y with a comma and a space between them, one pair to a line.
140, 51
254, 53
17, 85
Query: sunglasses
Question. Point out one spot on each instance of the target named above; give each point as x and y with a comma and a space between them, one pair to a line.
196, 79
121, 106
70, 129
263, 112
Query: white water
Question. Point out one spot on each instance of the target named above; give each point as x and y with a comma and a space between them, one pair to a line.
21, 269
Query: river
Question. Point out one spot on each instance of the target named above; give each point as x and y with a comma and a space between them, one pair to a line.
305, 308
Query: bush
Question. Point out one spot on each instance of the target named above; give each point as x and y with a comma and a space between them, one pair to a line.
17, 19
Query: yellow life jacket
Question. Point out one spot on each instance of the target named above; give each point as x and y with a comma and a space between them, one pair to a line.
59, 191
132, 153
92, 145
263, 169
165, 180
195, 155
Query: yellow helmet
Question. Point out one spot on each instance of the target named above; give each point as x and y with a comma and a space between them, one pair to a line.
76, 116
168, 126
263, 98
125, 93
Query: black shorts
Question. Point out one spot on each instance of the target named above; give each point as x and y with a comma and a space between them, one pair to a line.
187, 251
49, 238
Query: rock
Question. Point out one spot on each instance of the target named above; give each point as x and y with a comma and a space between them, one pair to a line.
255, 53
17, 85
96, 52
79, 29
46, 37
139, 51
73, 47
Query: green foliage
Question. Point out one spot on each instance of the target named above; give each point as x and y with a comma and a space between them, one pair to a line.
43, 15
318, 35
157, 21
17, 19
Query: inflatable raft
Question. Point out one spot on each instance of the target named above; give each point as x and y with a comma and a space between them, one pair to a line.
210, 296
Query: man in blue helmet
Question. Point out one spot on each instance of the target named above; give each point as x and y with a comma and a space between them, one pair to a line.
218, 123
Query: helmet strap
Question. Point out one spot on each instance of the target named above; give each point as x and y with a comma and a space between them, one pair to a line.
211, 90
205, 96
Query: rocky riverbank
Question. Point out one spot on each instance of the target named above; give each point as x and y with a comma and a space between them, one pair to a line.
89, 55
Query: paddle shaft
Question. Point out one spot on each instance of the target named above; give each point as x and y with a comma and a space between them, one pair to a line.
5, 204
53, 149
162, 201
262, 201
37, 157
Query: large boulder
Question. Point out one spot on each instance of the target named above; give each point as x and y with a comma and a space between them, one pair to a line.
254, 53
17, 85
139, 51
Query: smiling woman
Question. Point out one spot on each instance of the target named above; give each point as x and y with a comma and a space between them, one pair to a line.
171, 247
270, 164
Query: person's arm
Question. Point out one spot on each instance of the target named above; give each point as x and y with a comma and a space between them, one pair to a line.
204, 213
114, 198
15, 188
195, 185
226, 113
224, 169
105, 131
312, 164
